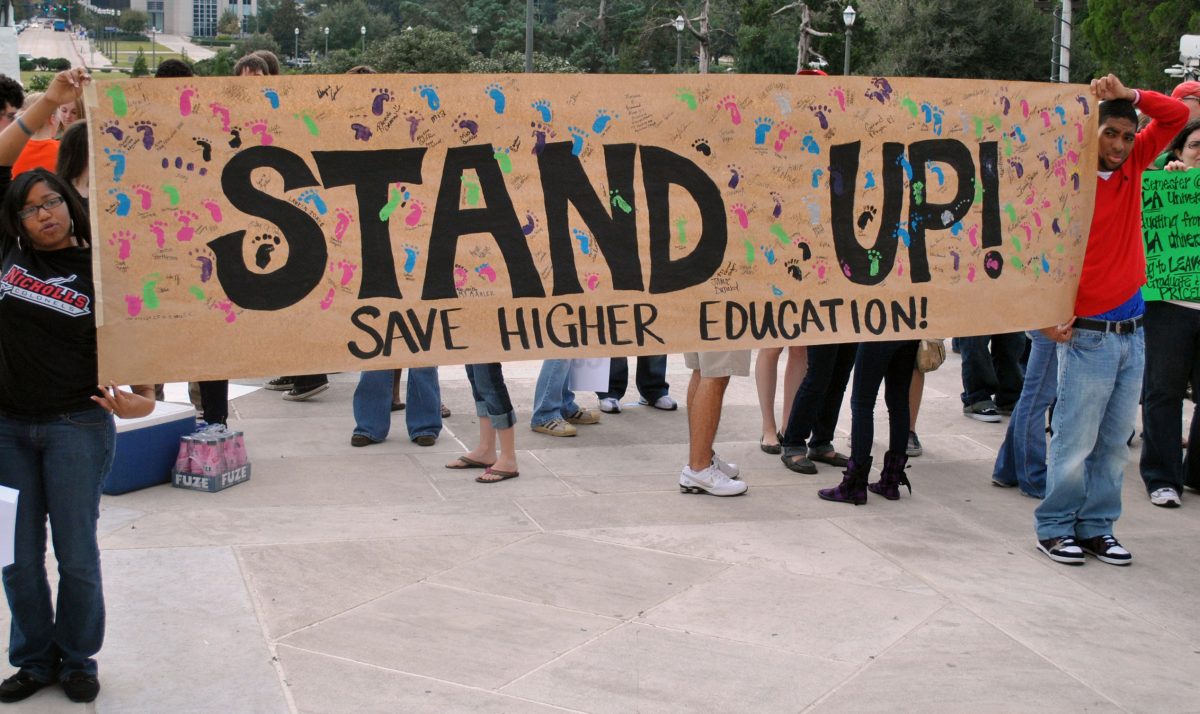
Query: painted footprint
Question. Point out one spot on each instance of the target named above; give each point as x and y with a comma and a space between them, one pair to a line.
821, 112
735, 175
751, 253
159, 229
428, 92
794, 269
592, 280
187, 96
468, 124
379, 102
810, 144
542, 107
145, 196
540, 133
205, 147
839, 94
503, 157
272, 97
186, 231
117, 95
348, 269
688, 98
786, 131
530, 225
221, 112
414, 214
361, 132
123, 202
204, 258
410, 257
619, 201
263, 246
471, 189
495, 92
874, 256
327, 301
702, 146
822, 270
738, 210
124, 242
486, 272
578, 138
117, 159
865, 218
777, 211
729, 103
259, 128
314, 199
460, 276
585, 241
343, 219
768, 252
602, 121
762, 129
113, 129
213, 208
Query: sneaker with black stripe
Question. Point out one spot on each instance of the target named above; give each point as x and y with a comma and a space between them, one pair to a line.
1106, 549
1062, 550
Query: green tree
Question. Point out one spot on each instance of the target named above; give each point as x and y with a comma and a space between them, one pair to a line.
512, 62
250, 43
1138, 40
345, 18
229, 23
133, 21
988, 39
219, 65
140, 65
419, 50
286, 17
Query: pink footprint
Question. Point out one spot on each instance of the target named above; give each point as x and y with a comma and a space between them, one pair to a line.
487, 272
160, 237
899, 267
593, 280
1024, 108
1037, 218
785, 131
347, 269
124, 242
846, 269
143, 192
259, 128
971, 274
414, 214
973, 235
739, 211
730, 102
327, 301
133, 304
213, 209
227, 307
222, 112
460, 276
344, 219
185, 101
841, 97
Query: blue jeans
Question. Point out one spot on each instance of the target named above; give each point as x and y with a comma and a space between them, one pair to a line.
1099, 381
373, 403
1172, 360
819, 399
993, 376
651, 378
491, 395
552, 397
890, 363
58, 464
1022, 458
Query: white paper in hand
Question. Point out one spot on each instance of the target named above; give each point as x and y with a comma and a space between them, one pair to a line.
8, 523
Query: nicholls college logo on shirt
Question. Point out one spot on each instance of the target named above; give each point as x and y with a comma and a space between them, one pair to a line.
48, 293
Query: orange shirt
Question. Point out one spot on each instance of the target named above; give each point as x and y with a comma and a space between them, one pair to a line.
38, 152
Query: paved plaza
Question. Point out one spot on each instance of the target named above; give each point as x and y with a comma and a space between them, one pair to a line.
344, 579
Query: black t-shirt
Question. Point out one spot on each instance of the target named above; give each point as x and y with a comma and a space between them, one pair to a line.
47, 330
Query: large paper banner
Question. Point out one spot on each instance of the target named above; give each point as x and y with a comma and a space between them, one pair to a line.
1171, 228
285, 225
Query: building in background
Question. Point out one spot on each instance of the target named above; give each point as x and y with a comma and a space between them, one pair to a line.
188, 18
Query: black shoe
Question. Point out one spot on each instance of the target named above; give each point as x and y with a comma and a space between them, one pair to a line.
300, 394
362, 440
1062, 550
281, 384
799, 463
445, 412
425, 440
1106, 549
397, 406
20, 686
831, 457
81, 687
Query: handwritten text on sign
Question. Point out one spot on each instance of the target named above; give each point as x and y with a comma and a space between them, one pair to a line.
258, 226
1171, 228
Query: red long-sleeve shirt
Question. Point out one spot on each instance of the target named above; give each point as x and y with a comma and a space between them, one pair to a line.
1114, 265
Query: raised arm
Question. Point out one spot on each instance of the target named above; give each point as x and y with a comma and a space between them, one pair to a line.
65, 87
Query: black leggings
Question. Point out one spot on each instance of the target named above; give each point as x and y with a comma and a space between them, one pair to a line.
892, 364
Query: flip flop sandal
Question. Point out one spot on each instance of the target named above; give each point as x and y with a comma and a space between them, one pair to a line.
466, 463
500, 475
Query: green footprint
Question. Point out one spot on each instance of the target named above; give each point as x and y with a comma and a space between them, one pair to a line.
621, 203
395, 198
978, 127
918, 192
504, 161
472, 190
978, 191
1016, 241
1017, 263
681, 231
1008, 146
780, 234
874, 256
687, 98
172, 194
1010, 212
749, 252
995, 122
910, 105
117, 95
196, 292
150, 291
309, 123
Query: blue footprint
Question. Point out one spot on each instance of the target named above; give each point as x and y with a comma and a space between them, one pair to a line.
312, 197
429, 93
577, 140
762, 128
123, 202
410, 258
496, 93
272, 97
603, 117
542, 106
585, 241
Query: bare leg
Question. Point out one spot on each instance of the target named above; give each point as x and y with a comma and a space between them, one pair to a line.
766, 373
485, 452
793, 375
704, 416
915, 392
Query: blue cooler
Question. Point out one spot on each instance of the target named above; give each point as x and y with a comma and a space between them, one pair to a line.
147, 447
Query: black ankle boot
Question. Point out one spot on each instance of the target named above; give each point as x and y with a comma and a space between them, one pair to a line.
853, 488
892, 477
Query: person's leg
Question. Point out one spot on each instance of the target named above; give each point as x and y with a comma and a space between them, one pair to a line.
806, 405
1191, 464
793, 374
916, 393
978, 375
831, 404
1087, 372
78, 455
1170, 361
1007, 351
651, 377
704, 418
618, 379
766, 372
31, 629
423, 414
214, 396
500, 416
548, 392
1106, 466
869, 367
1022, 458
372, 404
897, 380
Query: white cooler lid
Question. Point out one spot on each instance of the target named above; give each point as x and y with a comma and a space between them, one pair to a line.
164, 413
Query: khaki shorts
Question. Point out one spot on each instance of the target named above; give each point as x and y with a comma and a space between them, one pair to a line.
735, 363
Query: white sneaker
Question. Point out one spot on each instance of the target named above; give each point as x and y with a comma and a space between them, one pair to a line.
730, 470
610, 406
711, 480
665, 403
1165, 497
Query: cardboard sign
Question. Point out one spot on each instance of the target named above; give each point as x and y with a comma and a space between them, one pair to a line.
1171, 229
289, 225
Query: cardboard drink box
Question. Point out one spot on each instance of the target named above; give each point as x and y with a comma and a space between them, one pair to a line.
211, 460
146, 447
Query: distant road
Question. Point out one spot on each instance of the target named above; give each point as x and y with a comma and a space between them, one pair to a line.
43, 42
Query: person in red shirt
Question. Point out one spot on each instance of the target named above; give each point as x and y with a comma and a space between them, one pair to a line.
1101, 351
